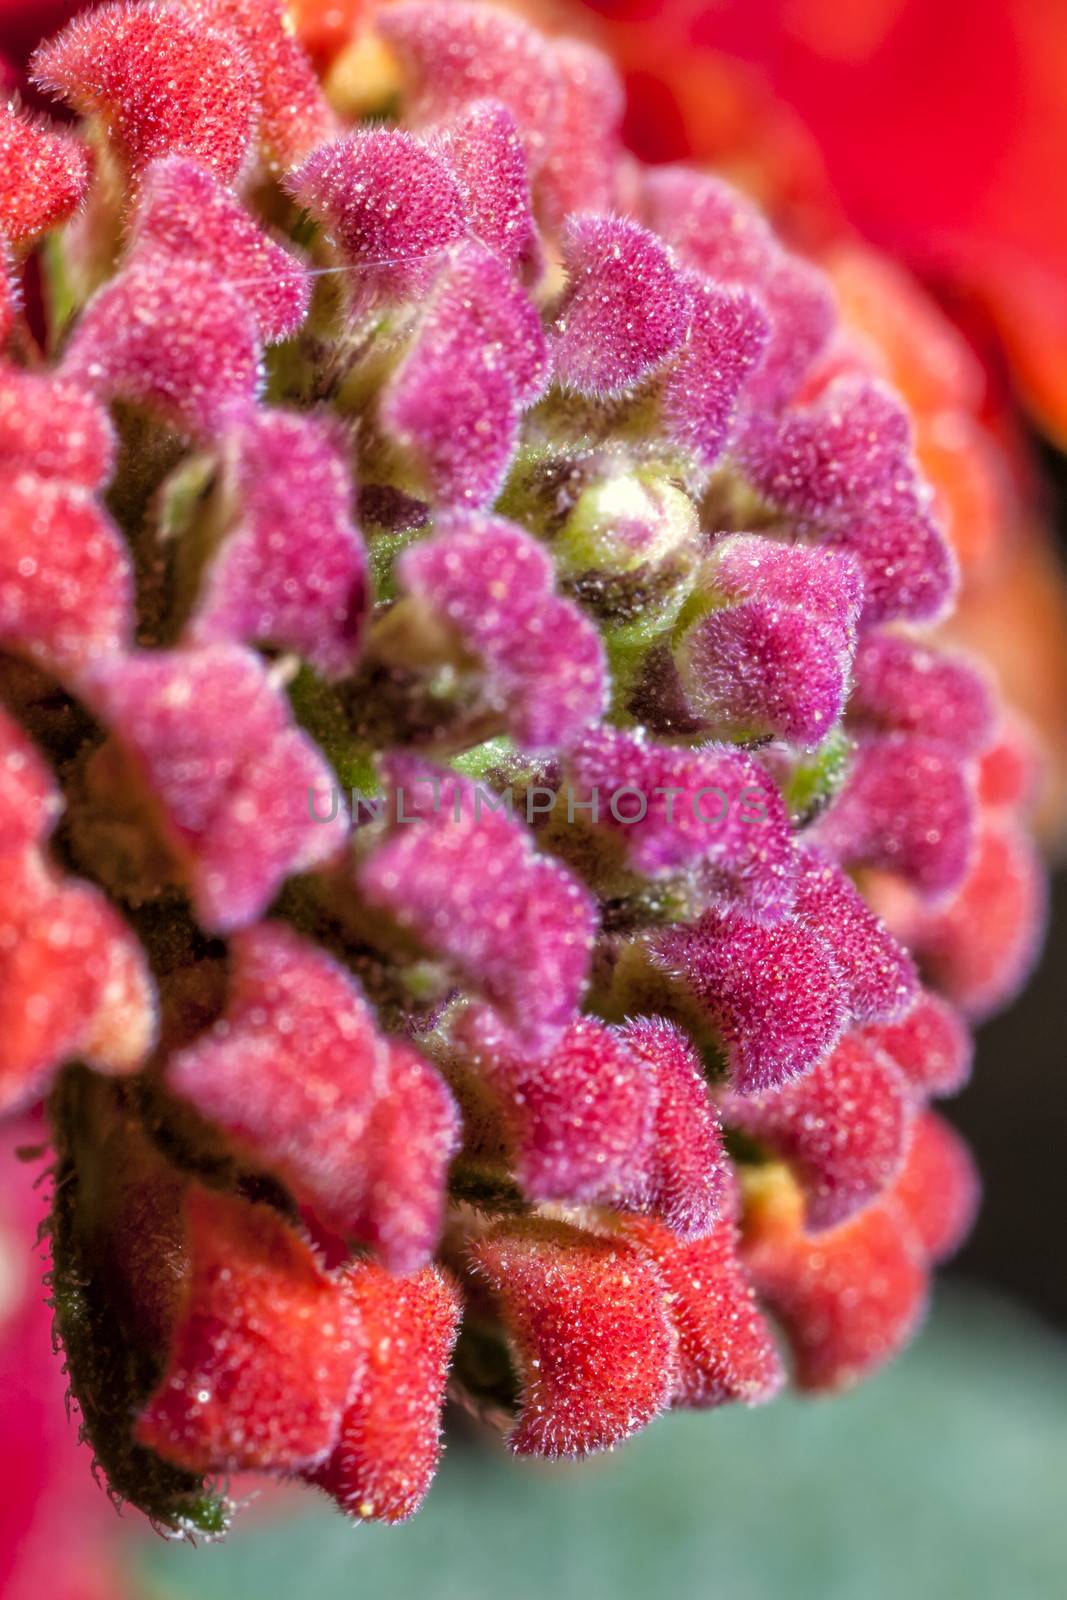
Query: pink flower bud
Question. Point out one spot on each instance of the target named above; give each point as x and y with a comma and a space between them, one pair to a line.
844, 1127
294, 115
625, 309
473, 890
186, 212
772, 994
584, 142
66, 581
720, 233
907, 807
543, 659
292, 571
211, 740
170, 335
930, 1044
451, 55
712, 807
902, 686
390, 203
484, 148
54, 429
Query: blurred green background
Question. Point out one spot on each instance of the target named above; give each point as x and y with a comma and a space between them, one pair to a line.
945, 1476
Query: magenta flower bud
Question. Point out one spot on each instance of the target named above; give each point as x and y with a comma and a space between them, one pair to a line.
773, 654
930, 1044
580, 1119
292, 571
210, 738
484, 148
543, 659
389, 203
169, 335
625, 309
843, 467
907, 807
584, 141
877, 974
712, 807
186, 212
451, 55
844, 1127
454, 404
903, 686
465, 880
298, 1075
722, 234
687, 1175
724, 349
772, 995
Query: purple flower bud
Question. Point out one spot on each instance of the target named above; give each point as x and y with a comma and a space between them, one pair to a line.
186, 212
625, 309
211, 739
543, 659
516, 925
390, 203
675, 807
772, 994
292, 572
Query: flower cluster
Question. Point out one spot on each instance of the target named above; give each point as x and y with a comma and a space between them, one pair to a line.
445, 457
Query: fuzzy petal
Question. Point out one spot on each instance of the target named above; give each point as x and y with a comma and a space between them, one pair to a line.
211, 740
385, 1459
593, 1344
625, 309
186, 212
162, 82
66, 579
266, 1352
